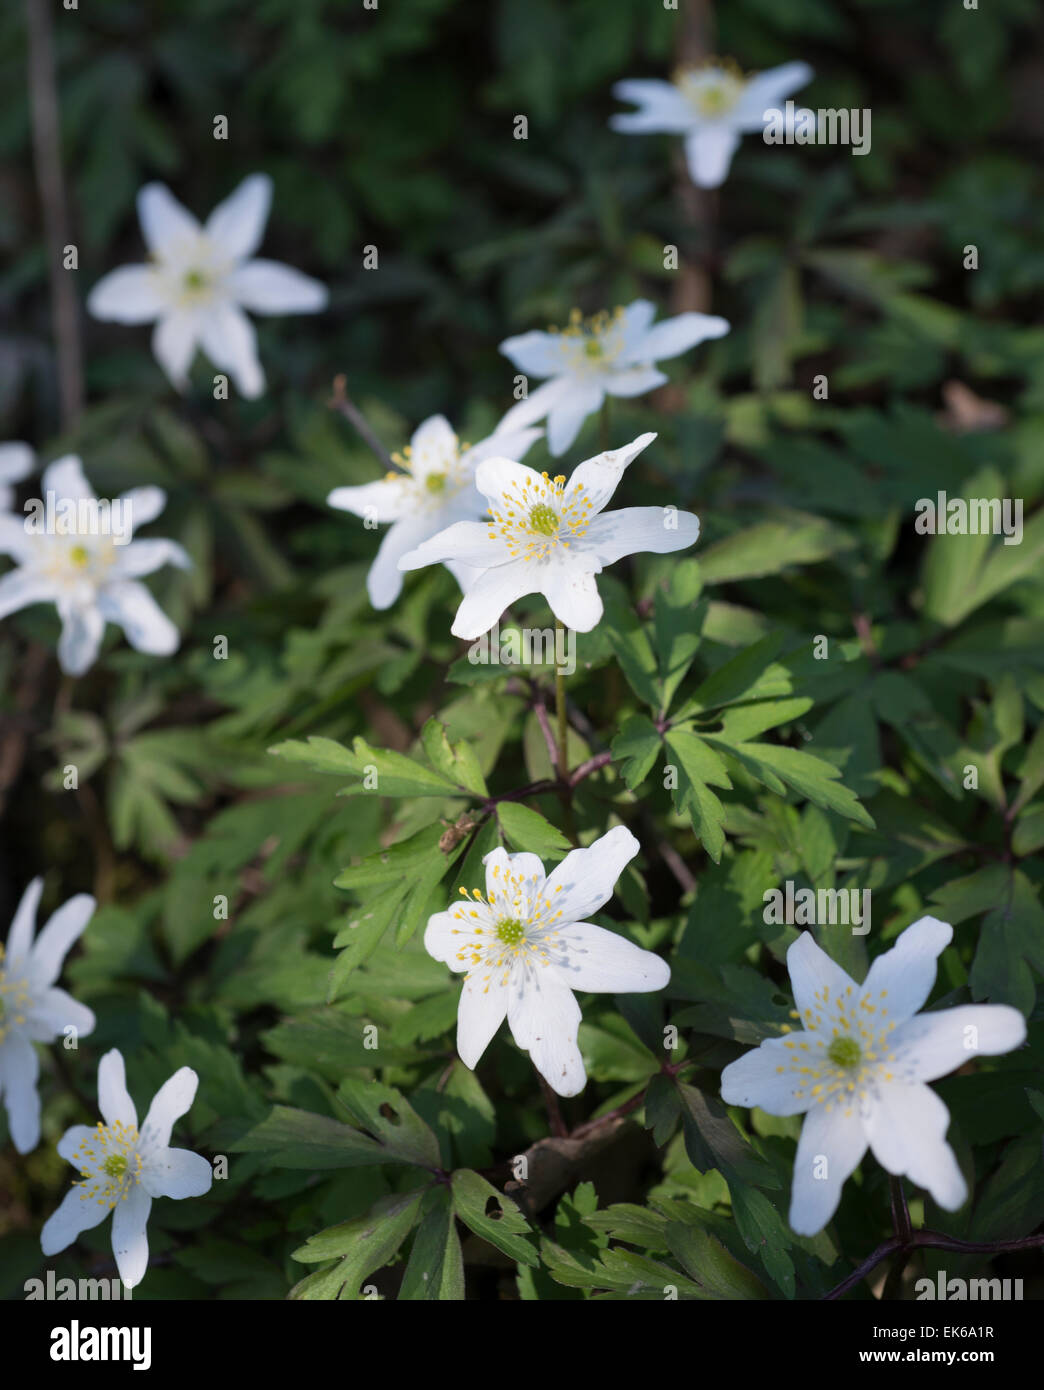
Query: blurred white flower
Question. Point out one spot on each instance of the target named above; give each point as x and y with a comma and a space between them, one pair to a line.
857, 1069
122, 1170
436, 488
199, 279
16, 463
524, 946
606, 355
77, 554
32, 1008
712, 106
549, 536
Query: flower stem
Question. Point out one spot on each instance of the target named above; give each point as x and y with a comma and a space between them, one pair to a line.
563, 745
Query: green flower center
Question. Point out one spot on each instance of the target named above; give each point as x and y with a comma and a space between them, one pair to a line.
593, 348
115, 1165
195, 280
714, 100
544, 519
79, 556
845, 1052
510, 932
435, 482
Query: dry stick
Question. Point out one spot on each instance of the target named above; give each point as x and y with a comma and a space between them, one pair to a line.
47, 158
342, 403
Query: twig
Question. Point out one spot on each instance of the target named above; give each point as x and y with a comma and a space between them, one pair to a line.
47, 158
342, 403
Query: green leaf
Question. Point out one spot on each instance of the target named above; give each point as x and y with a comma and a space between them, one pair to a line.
360, 1246
715, 1272
635, 747
793, 538
436, 1268
292, 1138
506, 1228
458, 761
527, 829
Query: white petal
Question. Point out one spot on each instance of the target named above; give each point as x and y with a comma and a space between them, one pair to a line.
768, 91
114, 1102
674, 336
627, 382
174, 346
269, 287
906, 1128
904, 976
384, 581
23, 924
227, 336
491, 593
19, 1068
499, 864
632, 530
536, 404
811, 972
597, 478
173, 1099
570, 411
145, 557
709, 152
483, 1007
634, 325
71, 1140
131, 294
828, 1151
503, 480
382, 501
535, 354
64, 477
82, 631
467, 541
662, 107
15, 540
55, 1011
572, 594
57, 938
238, 223
544, 1018
75, 1215
433, 436
587, 877
932, 1045
164, 222
603, 962
439, 941
22, 588
176, 1173
763, 1077
16, 461
148, 628
465, 575
130, 1240
502, 443
143, 504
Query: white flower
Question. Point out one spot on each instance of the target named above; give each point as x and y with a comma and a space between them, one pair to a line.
712, 106
32, 1009
857, 1070
200, 279
436, 489
609, 354
81, 567
524, 947
16, 463
122, 1170
550, 537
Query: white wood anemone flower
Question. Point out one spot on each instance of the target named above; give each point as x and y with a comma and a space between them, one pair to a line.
200, 279
32, 1008
712, 106
604, 355
16, 463
857, 1070
549, 536
77, 553
524, 947
435, 489
122, 1169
